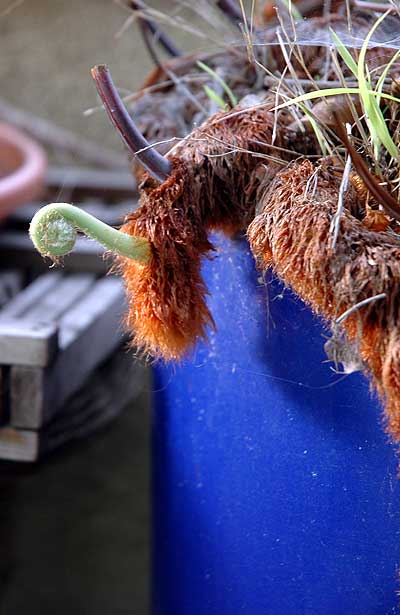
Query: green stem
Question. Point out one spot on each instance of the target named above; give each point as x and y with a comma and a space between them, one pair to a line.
54, 227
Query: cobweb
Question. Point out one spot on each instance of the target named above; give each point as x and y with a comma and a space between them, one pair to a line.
309, 32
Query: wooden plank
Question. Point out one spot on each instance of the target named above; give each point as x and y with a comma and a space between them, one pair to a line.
28, 324
28, 343
48, 297
17, 250
18, 445
30, 295
24, 343
114, 384
10, 284
4, 390
111, 388
88, 333
78, 182
106, 301
52, 305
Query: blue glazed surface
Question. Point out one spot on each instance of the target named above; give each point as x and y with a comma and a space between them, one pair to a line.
275, 488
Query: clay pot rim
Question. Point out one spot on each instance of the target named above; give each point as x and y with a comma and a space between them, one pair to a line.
26, 181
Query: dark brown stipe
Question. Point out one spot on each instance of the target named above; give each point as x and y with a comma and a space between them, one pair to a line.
379, 7
382, 196
149, 43
147, 25
232, 11
158, 166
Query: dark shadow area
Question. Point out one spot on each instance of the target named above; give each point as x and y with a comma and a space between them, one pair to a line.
74, 529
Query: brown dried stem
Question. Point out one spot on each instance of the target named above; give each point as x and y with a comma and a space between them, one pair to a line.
230, 9
158, 166
147, 25
382, 196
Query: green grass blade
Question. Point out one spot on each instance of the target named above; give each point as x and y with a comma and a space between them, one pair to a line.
318, 132
330, 92
370, 100
225, 86
293, 10
381, 129
344, 53
317, 94
376, 123
381, 80
216, 98
363, 51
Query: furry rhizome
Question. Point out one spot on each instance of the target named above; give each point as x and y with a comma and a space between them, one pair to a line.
292, 233
212, 186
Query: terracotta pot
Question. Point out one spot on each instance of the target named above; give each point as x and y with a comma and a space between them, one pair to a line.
22, 168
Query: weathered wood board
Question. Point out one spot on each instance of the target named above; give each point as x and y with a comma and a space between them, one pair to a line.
18, 445
28, 323
78, 182
30, 295
26, 343
87, 333
114, 384
10, 284
56, 332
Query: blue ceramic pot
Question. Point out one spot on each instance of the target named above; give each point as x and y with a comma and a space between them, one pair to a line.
275, 487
